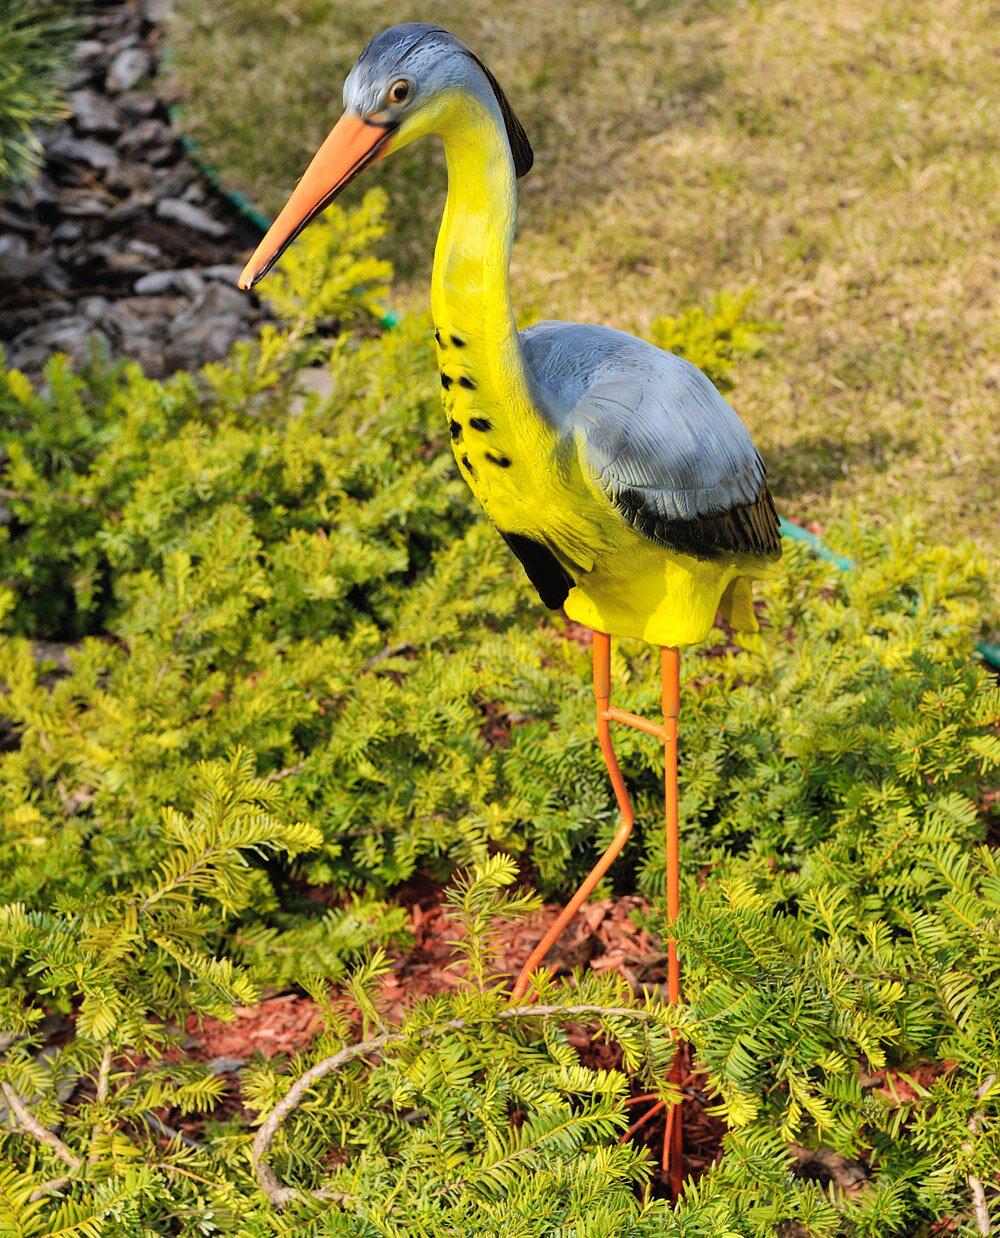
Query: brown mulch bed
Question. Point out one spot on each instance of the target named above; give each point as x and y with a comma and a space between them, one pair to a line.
603, 937
282, 1024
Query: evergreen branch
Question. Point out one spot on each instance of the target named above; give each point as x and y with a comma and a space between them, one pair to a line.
390, 651
171, 1132
281, 1195
198, 864
279, 775
103, 1075
52, 1187
980, 1211
31, 1126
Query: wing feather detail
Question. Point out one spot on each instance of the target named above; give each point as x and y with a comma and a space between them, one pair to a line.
666, 448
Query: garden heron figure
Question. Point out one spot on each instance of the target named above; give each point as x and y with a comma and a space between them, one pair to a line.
625, 484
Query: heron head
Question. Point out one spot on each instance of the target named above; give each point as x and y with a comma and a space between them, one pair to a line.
407, 83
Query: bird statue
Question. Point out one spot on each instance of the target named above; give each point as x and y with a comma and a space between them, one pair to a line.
625, 484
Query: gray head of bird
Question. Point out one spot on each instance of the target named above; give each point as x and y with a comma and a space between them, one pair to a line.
410, 81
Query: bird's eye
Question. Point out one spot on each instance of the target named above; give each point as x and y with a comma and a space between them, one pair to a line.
399, 92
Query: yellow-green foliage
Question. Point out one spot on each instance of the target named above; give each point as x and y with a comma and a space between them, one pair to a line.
331, 273
34, 45
284, 609
715, 340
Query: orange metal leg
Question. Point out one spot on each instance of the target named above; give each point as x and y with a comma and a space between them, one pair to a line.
602, 691
667, 732
673, 1140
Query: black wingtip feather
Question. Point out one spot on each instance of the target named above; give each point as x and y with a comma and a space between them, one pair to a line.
750, 528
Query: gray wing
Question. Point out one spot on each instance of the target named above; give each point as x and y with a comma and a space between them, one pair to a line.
667, 449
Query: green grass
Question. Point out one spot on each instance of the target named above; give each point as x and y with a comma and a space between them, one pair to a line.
837, 158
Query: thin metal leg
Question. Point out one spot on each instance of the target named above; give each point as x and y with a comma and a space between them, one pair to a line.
673, 1140
667, 732
602, 692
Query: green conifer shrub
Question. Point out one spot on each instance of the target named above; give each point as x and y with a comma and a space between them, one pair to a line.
34, 44
714, 340
283, 609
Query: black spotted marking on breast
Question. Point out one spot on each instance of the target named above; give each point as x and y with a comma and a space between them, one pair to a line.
437, 336
542, 568
446, 381
502, 462
458, 341
468, 383
455, 430
480, 423
467, 466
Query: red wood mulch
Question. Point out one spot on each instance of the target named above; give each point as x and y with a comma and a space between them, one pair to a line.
603, 937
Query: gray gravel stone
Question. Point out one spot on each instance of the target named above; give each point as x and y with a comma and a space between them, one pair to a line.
191, 216
134, 206
107, 243
129, 177
205, 341
66, 232
128, 68
166, 152
17, 223
145, 248
123, 262
58, 654
17, 262
92, 113
94, 308
144, 133
158, 11
138, 104
83, 205
224, 273
189, 282
87, 151
87, 51
154, 282
171, 182
222, 299
124, 42
41, 191
226, 1065
70, 335
53, 277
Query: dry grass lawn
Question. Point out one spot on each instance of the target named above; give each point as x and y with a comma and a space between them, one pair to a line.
841, 158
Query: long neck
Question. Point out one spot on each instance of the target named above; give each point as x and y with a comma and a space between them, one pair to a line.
470, 296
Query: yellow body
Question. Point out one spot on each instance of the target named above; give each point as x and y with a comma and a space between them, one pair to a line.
626, 584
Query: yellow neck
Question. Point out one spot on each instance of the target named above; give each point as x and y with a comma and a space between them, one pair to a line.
470, 297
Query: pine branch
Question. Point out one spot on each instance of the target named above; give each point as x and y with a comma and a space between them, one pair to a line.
289, 771
52, 1187
198, 864
103, 1075
280, 1195
980, 1211
31, 1126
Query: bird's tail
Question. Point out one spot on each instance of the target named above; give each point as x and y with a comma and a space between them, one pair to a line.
736, 607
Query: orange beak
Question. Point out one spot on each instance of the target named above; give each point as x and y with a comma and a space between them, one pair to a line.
350, 147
